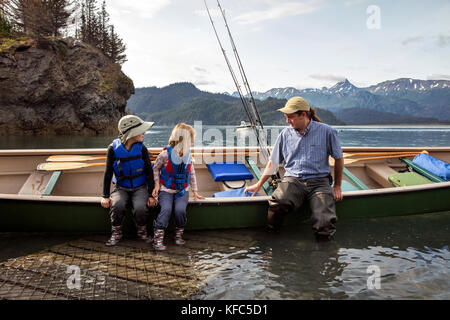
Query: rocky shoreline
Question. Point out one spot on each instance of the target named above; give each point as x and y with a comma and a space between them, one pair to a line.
59, 86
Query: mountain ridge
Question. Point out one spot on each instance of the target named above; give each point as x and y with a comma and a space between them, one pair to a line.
344, 104
403, 96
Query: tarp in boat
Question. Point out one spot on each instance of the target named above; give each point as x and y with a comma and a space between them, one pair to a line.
433, 165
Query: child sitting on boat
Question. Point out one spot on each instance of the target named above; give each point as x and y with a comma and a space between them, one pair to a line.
174, 172
128, 161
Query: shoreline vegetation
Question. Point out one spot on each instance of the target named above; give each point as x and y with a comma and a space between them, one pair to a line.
83, 20
60, 69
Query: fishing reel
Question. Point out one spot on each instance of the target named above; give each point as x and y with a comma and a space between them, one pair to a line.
274, 181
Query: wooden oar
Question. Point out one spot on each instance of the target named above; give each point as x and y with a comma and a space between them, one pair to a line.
78, 158
59, 166
348, 161
73, 158
357, 154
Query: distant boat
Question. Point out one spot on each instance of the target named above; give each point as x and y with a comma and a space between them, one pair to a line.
244, 126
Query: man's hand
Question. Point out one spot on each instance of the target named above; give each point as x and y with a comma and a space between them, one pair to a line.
338, 170
106, 202
338, 193
255, 188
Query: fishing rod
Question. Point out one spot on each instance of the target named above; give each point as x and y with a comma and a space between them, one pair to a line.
233, 75
249, 106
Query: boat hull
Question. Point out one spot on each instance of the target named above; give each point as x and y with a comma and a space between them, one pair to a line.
56, 215
65, 211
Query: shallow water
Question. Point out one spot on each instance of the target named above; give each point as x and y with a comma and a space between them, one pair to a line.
411, 254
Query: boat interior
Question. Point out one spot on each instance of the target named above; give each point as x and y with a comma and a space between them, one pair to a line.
19, 174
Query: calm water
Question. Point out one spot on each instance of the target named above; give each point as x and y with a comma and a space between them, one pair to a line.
411, 253
368, 136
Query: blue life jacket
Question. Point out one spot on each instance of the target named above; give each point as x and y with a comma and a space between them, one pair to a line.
129, 167
176, 174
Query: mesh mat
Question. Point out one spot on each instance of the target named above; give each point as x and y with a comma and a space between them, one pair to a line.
85, 269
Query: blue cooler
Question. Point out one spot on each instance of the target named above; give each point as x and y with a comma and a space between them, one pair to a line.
233, 177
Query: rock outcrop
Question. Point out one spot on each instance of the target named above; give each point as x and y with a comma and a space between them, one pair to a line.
59, 86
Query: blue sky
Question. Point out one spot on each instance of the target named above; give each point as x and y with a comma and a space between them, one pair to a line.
284, 43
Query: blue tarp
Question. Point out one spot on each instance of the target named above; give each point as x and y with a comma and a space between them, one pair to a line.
433, 165
229, 171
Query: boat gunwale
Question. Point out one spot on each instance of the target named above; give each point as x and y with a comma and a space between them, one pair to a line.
96, 151
233, 200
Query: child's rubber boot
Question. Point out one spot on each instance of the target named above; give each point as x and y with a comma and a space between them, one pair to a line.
158, 240
179, 236
116, 235
143, 234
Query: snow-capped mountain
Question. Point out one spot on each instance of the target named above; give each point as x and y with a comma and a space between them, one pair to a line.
342, 88
405, 96
407, 84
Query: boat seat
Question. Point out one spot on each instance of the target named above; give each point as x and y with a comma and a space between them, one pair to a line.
40, 183
358, 183
380, 173
231, 175
405, 179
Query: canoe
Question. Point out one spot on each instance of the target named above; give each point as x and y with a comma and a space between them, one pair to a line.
68, 200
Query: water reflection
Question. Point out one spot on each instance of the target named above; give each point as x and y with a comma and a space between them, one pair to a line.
411, 253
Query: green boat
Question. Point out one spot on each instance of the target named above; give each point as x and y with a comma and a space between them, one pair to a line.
34, 200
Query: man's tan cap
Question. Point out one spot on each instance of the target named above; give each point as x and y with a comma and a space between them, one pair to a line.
295, 104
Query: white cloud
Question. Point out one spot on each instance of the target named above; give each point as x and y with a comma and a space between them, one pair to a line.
278, 10
327, 77
143, 8
203, 13
412, 40
353, 2
439, 77
443, 40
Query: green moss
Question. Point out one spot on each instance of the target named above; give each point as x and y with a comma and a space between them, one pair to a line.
10, 45
62, 49
113, 79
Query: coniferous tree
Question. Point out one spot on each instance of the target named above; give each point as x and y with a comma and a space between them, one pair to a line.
90, 23
32, 17
38, 18
96, 30
60, 12
6, 27
117, 48
103, 30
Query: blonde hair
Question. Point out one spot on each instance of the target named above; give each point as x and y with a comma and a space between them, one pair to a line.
182, 138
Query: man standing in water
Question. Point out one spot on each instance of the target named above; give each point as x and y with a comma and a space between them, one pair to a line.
305, 147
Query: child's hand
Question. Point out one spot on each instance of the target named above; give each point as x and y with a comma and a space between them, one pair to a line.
155, 192
106, 202
197, 196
